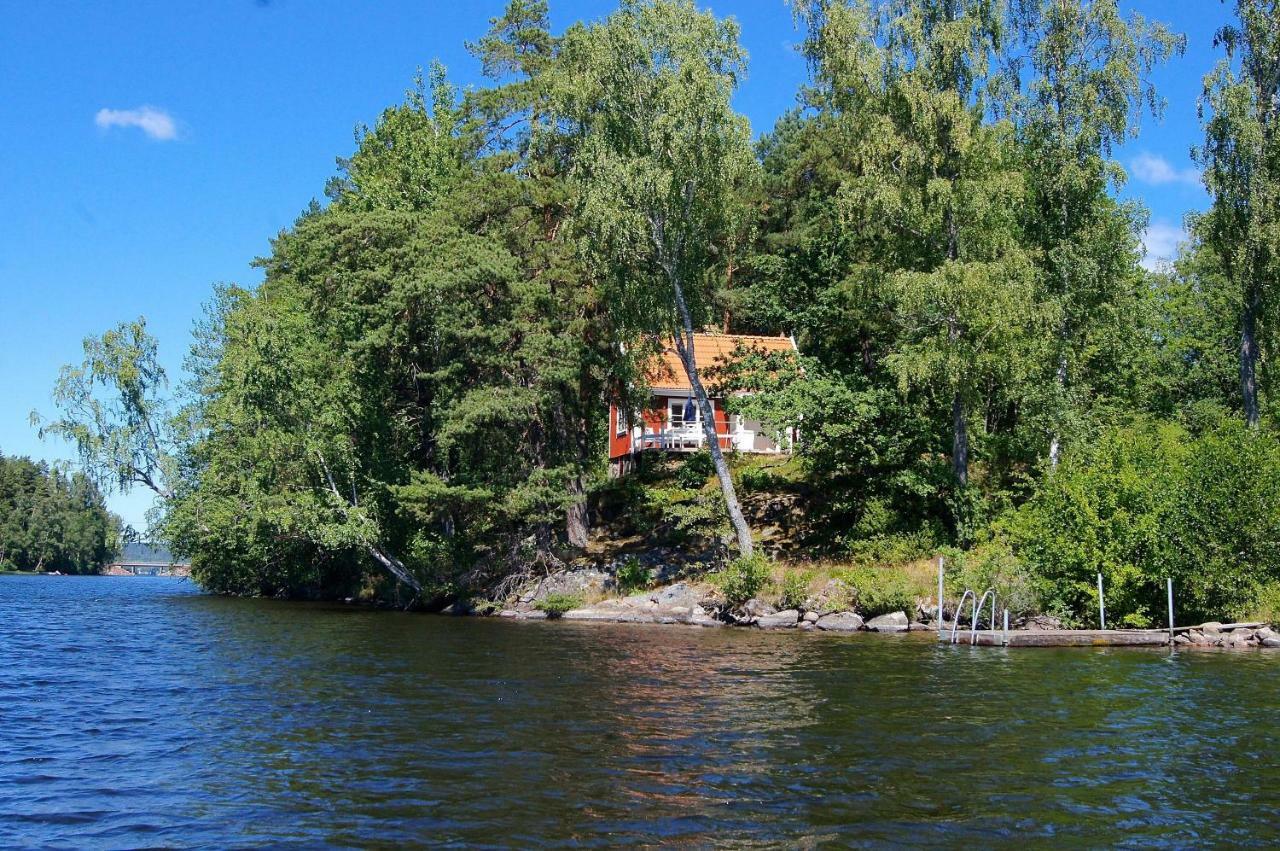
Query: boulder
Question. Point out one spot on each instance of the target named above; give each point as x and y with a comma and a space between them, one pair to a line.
1182, 639
805, 625
755, 607
895, 622
840, 622
1272, 641
783, 619
1042, 622
1211, 628
917, 625
680, 594
811, 617
1264, 633
584, 583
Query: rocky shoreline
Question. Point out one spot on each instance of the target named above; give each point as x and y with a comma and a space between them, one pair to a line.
692, 603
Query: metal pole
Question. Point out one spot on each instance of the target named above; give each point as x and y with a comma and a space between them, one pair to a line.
1006, 627
1170, 585
940, 572
1102, 611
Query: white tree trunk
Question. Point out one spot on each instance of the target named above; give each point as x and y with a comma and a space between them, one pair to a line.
684, 348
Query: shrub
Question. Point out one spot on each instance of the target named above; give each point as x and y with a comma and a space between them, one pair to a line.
754, 479
556, 605
696, 469
632, 576
744, 578
1149, 501
993, 565
795, 590
880, 591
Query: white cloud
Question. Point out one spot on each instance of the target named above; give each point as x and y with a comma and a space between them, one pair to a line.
156, 123
1154, 169
1160, 243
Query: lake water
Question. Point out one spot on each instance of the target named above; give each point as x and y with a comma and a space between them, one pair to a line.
138, 712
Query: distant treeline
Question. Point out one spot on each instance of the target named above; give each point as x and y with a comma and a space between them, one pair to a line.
52, 521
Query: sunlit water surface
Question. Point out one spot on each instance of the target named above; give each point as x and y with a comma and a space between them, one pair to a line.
138, 712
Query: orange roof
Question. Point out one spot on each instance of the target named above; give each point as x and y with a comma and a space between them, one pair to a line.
709, 350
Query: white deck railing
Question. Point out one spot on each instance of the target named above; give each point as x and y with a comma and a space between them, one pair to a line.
691, 438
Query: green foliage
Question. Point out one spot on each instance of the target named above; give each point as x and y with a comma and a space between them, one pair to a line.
794, 590
1152, 501
744, 578
632, 576
51, 521
993, 565
114, 409
695, 470
555, 605
880, 591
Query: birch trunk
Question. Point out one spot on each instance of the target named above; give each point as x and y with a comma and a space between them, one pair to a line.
684, 348
959, 441
1249, 359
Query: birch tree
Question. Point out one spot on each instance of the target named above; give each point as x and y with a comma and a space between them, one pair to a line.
1087, 89
1241, 161
114, 407
936, 190
658, 156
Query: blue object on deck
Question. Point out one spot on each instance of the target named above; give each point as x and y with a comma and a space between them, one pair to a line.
690, 413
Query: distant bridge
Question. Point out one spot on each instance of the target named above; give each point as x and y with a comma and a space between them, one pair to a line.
143, 560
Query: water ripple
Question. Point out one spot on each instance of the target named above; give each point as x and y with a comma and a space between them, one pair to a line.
137, 712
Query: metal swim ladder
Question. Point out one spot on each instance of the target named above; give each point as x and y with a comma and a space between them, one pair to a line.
975, 612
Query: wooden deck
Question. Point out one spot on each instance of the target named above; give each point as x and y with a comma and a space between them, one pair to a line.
1063, 637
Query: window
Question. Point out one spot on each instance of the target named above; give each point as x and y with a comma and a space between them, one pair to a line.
620, 427
676, 412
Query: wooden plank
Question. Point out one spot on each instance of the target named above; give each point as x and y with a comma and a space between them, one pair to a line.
1065, 638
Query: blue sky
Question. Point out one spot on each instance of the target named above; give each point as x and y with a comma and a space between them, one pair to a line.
151, 149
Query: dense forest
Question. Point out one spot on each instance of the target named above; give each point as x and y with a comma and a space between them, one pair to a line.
50, 521
415, 398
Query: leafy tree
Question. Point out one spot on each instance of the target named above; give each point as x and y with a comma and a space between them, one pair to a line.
658, 159
116, 410
1241, 160
1088, 84
936, 189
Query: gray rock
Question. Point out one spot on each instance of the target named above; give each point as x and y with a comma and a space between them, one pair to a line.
811, 617
917, 625
1272, 641
786, 618
805, 625
582, 582
1242, 636
755, 607
508, 613
1182, 639
1211, 628
680, 594
895, 622
1265, 633
841, 622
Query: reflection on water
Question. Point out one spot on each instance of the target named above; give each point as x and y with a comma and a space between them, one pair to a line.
137, 712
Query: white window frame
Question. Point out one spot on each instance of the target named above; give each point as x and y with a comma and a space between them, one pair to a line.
676, 404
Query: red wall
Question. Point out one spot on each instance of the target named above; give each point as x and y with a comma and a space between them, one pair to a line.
655, 417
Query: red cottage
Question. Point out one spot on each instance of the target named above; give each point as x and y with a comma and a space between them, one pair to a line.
672, 421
